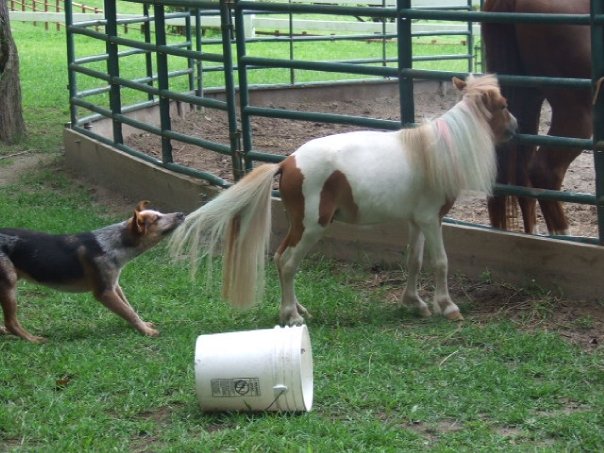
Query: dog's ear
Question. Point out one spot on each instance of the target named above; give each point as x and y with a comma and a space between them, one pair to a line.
141, 206
137, 224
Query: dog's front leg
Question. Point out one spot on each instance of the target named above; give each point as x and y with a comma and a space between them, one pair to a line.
120, 293
112, 300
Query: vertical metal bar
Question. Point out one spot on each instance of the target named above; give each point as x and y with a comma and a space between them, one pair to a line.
292, 71
148, 57
405, 61
190, 61
163, 82
71, 75
227, 32
113, 68
198, 62
470, 41
597, 74
384, 29
244, 100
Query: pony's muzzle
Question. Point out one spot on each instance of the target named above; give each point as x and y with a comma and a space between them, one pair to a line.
511, 129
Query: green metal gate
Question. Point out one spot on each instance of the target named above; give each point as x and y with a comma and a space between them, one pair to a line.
158, 86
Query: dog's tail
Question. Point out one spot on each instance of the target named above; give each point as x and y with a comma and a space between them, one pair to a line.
239, 220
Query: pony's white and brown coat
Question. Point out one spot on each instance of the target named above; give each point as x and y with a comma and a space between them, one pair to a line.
364, 177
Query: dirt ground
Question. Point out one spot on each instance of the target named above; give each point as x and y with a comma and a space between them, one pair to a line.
284, 136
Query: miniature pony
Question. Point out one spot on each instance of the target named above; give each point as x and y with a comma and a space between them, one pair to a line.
365, 177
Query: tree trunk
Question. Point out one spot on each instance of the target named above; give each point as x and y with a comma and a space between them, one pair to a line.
12, 126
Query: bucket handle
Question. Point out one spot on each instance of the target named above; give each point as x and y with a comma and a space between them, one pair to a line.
279, 389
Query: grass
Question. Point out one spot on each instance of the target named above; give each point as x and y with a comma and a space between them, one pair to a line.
384, 380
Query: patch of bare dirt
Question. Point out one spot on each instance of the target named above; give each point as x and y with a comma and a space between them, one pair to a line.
578, 321
284, 136
12, 166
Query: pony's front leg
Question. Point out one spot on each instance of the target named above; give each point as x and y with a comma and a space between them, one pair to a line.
442, 302
415, 251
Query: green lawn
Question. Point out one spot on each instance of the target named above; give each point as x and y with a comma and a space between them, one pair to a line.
384, 380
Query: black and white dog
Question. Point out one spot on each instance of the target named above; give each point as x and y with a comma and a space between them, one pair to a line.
81, 262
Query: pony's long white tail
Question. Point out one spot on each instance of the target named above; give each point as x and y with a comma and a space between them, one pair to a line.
238, 221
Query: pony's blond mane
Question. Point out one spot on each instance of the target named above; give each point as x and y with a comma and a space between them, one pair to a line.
456, 151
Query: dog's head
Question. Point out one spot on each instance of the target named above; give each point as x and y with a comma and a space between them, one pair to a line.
150, 226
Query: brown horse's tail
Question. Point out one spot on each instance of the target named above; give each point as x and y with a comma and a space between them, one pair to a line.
502, 56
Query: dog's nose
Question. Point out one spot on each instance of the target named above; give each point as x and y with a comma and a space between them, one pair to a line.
180, 216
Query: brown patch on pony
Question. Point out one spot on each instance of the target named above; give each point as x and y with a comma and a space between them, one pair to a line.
497, 105
337, 200
290, 186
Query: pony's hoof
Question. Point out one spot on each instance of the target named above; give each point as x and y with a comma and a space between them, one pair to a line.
292, 321
424, 312
455, 316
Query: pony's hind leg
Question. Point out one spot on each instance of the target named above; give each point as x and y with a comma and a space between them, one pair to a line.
288, 258
415, 253
442, 302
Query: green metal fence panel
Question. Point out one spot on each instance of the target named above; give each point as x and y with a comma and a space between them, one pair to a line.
236, 66
597, 45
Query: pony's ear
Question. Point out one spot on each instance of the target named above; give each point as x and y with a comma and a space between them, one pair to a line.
459, 84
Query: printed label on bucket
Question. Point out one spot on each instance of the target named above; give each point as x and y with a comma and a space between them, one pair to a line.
235, 387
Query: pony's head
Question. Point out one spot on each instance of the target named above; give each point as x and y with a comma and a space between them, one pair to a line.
483, 94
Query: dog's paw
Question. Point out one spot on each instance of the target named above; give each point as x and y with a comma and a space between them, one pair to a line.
302, 311
150, 331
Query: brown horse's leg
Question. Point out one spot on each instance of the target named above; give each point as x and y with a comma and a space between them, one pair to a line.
496, 205
513, 159
571, 117
503, 56
530, 103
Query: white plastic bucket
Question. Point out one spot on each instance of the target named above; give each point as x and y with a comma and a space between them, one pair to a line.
256, 370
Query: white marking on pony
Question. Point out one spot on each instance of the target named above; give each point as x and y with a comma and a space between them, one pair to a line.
412, 175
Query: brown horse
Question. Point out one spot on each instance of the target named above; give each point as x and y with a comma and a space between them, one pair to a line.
553, 50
